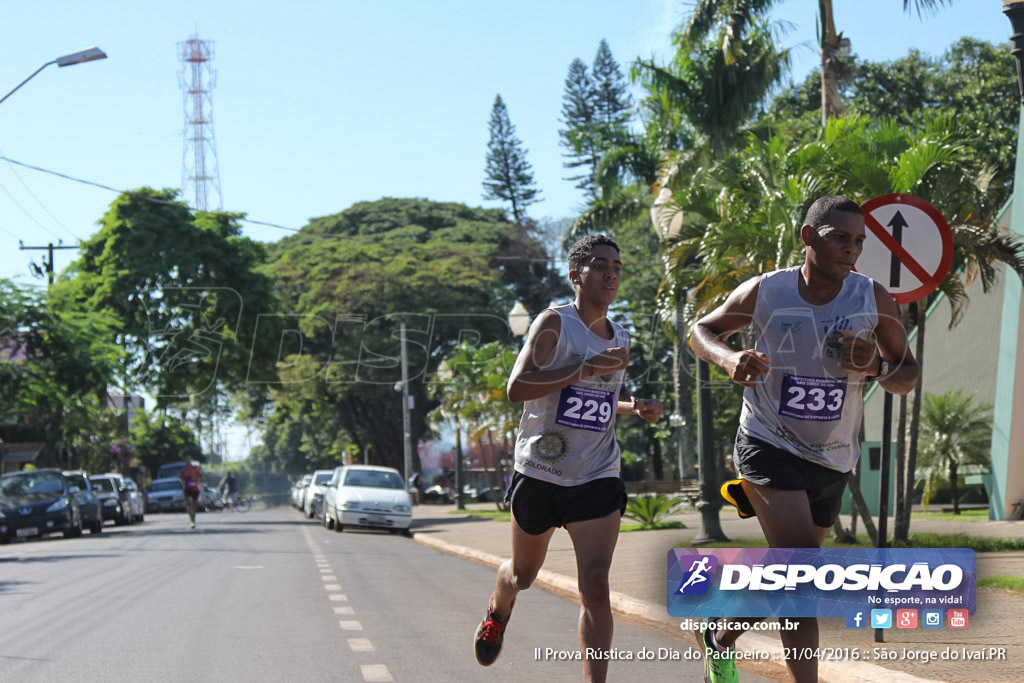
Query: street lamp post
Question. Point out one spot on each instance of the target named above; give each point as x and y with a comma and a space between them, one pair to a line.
667, 218
1014, 11
89, 54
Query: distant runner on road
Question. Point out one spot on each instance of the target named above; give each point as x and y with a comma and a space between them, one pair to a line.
192, 477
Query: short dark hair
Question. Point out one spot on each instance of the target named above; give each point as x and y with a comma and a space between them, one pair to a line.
822, 208
580, 252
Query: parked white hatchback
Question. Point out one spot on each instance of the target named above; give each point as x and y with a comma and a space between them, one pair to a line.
315, 492
369, 497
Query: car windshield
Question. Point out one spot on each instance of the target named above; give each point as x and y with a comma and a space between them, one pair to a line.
77, 480
103, 484
166, 486
323, 478
29, 483
373, 479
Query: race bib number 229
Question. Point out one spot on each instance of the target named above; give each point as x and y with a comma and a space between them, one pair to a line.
585, 408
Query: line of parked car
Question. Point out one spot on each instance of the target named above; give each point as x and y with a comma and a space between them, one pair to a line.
355, 496
48, 501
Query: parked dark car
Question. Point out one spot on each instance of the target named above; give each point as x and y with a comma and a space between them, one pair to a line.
115, 499
88, 502
35, 503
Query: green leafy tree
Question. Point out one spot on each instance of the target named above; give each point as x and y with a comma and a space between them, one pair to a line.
956, 432
159, 438
57, 362
508, 175
349, 280
832, 43
184, 290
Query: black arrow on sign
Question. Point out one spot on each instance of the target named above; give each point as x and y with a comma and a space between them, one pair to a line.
897, 224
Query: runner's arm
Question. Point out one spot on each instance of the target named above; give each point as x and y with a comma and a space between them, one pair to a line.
708, 335
893, 346
532, 379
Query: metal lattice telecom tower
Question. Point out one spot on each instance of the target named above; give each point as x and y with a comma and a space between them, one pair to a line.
200, 179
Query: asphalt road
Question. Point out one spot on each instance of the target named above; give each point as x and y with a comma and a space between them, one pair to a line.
271, 596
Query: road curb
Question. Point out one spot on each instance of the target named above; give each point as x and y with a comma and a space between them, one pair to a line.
655, 615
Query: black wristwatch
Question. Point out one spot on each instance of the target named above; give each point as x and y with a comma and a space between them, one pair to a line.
884, 368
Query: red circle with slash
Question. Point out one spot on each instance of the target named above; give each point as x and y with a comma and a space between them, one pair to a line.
909, 246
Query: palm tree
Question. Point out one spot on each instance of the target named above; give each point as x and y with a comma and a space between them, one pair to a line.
832, 43
956, 432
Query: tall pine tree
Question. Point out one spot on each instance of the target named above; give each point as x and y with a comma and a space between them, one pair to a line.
612, 100
596, 109
578, 117
509, 176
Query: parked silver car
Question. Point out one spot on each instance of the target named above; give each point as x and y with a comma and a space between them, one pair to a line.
166, 495
114, 496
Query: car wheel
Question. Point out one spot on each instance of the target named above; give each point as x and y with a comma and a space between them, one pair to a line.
407, 533
328, 521
97, 526
338, 526
124, 519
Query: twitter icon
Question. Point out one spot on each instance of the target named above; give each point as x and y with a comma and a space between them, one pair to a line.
881, 618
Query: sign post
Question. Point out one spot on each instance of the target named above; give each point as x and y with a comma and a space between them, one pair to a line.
910, 253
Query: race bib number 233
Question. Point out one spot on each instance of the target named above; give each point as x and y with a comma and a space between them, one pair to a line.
812, 398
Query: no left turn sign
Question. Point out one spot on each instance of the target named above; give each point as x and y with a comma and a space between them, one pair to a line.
909, 246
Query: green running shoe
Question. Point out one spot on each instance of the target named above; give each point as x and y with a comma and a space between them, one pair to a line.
719, 667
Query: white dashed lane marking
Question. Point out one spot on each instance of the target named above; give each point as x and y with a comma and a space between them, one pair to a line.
377, 673
361, 645
374, 673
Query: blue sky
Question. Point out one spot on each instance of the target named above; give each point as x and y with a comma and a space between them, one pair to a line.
318, 105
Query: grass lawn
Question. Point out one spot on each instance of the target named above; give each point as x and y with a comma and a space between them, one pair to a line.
1014, 584
650, 527
937, 515
492, 513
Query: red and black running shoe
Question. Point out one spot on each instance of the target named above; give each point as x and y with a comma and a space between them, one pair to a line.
489, 636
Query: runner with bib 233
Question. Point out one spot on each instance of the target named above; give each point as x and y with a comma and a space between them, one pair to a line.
821, 332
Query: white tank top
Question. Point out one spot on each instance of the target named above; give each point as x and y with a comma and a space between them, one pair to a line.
808, 405
568, 437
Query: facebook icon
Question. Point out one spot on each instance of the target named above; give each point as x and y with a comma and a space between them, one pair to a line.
855, 618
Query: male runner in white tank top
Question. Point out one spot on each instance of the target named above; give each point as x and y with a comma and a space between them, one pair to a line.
569, 377
821, 331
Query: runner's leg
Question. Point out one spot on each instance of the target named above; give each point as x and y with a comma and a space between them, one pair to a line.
519, 572
594, 542
785, 518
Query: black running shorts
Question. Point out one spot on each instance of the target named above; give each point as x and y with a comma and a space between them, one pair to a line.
762, 463
539, 505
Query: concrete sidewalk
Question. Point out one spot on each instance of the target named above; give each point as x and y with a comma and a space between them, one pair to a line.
639, 594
